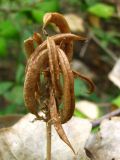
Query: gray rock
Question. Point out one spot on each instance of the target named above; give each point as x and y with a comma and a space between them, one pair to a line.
27, 140
105, 145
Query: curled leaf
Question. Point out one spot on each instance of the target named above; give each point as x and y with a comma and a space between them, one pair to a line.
90, 83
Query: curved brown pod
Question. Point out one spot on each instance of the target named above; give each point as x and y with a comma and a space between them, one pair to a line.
56, 120
31, 80
54, 66
29, 43
71, 81
68, 91
59, 20
37, 38
57, 39
29, 47
51, 64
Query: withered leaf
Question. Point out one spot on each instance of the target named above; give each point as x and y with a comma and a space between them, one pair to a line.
90, 83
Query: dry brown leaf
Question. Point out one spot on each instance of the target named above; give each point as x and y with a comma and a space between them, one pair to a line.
90, 83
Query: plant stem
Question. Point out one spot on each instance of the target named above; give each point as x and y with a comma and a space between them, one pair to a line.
48, 130
97, 122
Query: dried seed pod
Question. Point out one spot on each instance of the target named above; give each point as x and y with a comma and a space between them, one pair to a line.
56, 120
57, 39
54, 66
60, 21
37, 38
31, 81
29, 43
57, 19
68, 91
29, 46
51, 58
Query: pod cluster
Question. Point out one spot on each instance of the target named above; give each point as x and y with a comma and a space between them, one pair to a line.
49, 79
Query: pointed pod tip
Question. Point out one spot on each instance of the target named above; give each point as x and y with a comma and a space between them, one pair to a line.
47, 17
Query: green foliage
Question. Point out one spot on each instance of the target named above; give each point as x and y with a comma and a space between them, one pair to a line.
85, 4
8, 29
5, 86
116, 101
61, 106
102, 10
106, 37
9, 109
15, 95
13, 92
20, 74
79, 114
43, 7
95, 130
17, 22
3, 47
80, 88
74, 2
94, 97
37, 15
91, 2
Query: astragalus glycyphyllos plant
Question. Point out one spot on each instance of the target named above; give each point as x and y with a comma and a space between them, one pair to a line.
47, 64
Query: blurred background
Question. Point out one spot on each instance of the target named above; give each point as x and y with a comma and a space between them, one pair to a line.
98, 58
